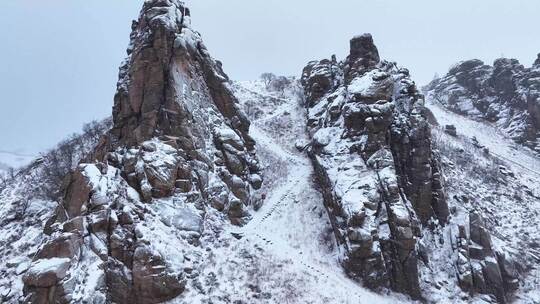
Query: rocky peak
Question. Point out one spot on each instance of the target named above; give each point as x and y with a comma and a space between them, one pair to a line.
363, 56
465, 66
470, 73
363, 47
178, 151
371, 149
167, 68
504, 72
537, 61
506, 93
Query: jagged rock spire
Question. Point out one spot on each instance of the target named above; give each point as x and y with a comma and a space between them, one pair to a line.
179, 149
371, 148
168, 67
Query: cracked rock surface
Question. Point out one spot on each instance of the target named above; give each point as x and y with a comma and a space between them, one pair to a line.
371, 148
179, 146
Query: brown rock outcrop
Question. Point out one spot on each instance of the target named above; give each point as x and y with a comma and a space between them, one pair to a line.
371, 148
179, 145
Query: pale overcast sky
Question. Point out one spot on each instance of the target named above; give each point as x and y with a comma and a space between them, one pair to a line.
59, 58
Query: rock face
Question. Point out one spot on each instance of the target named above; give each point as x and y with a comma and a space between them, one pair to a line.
371, 148
507, 94
479, 268
179, 145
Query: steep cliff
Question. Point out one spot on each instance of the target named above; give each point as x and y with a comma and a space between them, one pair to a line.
371, 147
383, 185
128, 229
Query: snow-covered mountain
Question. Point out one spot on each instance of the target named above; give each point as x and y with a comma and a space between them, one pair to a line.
341, 185
506, 94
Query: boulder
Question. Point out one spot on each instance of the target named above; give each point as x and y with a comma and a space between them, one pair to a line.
465, 66
162, 179
256, 181
320, 80
77, 193
492, 273
46, 272
119, 282
66, 245
478, 231
75, 225
363, 56
153, 282
493, 278
509, 271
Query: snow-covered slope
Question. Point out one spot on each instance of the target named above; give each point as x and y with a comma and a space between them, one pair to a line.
292, 226
488, 135
21, 234
27, 202
487, 172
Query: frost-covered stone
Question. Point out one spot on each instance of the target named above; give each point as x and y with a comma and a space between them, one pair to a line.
371, 149
450, 130
153, 282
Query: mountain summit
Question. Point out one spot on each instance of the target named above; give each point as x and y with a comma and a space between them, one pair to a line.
178, 146
343, 185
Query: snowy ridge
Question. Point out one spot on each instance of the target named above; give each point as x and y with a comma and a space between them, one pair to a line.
506, 94
15, 160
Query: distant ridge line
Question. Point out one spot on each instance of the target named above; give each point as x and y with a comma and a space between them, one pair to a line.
16, 153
